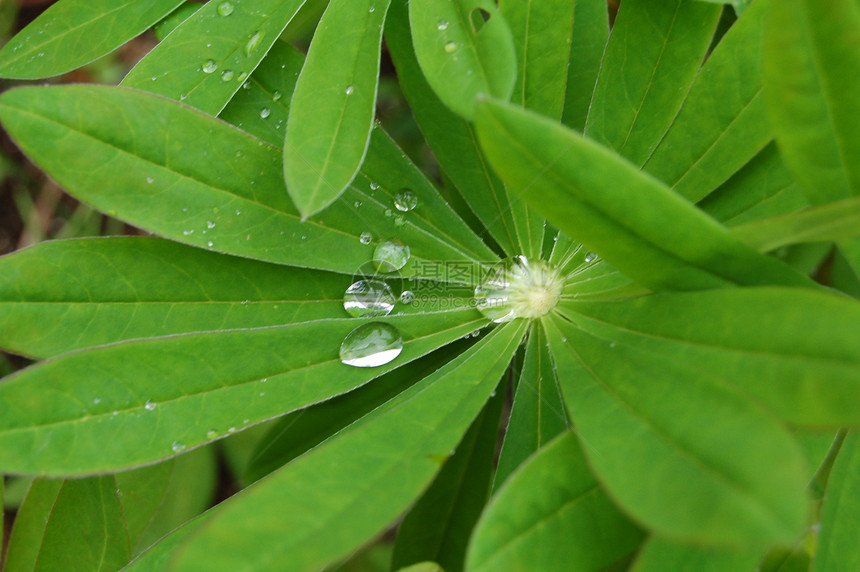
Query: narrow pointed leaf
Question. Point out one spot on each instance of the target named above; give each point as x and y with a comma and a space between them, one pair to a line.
333, 107
654, 429
552, 501
72, 33
461, 54
453, 140
832, 221
647, 71
56, 515
838, 550
139, 157
329, 502
659, 554
588, 42
537, 414
94, 413
61, 296
723, 122
811, 60
210, 55
598, 198
437, 528
794, 350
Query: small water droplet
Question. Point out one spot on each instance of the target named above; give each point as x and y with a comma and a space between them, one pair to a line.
177, 447
226, 75
210, 224
276, 95
265, 112
356, 204
183, 96
365, 238
371, 345
591, 257
210, 66
211, 434
451, 47
368, 299
188, 232
389, 212
372, 9
242, 77
406, 297
373, 186
210, 244
254, 43
390, 255
246, 85
349, 90
405, 200
150, 180
150, 405
225, 8
399, 220
96, 401
442, 25
238, 212
231, 430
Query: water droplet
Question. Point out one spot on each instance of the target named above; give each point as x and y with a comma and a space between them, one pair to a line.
246, 85
399, 220
518, 288
276, 95
442, 25
177, 447
591, 257
150, 180
210, 66
254, 43
188, 232
150, 405
368, 299
225, 8
365, 238
226, 75
265, 112
451, 47
406, 297
210, 244
242, 77
349, 90
373, 186
390, 255
371, 345
183, 96
238, 212
389, 212
356, 204
372, 9
405, 200
96, 401
211, 434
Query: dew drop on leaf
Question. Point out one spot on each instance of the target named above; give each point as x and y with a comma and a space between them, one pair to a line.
226, 75
442, 25
366, 237
349, 90
211, 434
591, 257
405, 200
390, 255
225, 8
371, 345
150, 405
406, 297
177, 447
276, 95
518, 288
254, 43
451, 47
210, 66
368, 299
265, 112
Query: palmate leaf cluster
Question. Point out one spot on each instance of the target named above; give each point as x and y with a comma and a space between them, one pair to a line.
688, 404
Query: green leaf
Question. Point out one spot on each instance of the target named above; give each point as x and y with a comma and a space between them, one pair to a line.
838, 550
453, 140
762, 188
333, 108
465, 49
812, 54
590, 34
72, 33
57, 515
652, 57
552, 515
174, 19
723, 122
61, 296
797, 351
209, 56
348, 490
832, 221
596, 197
437, 528
93, 413
139, 156
655, 429
660, 554
537, 414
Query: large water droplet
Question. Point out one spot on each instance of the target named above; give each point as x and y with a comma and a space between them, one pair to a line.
225, 8
371, 345
254, 43
210, 66
518, 288
405, 200
390, 255
368, 299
